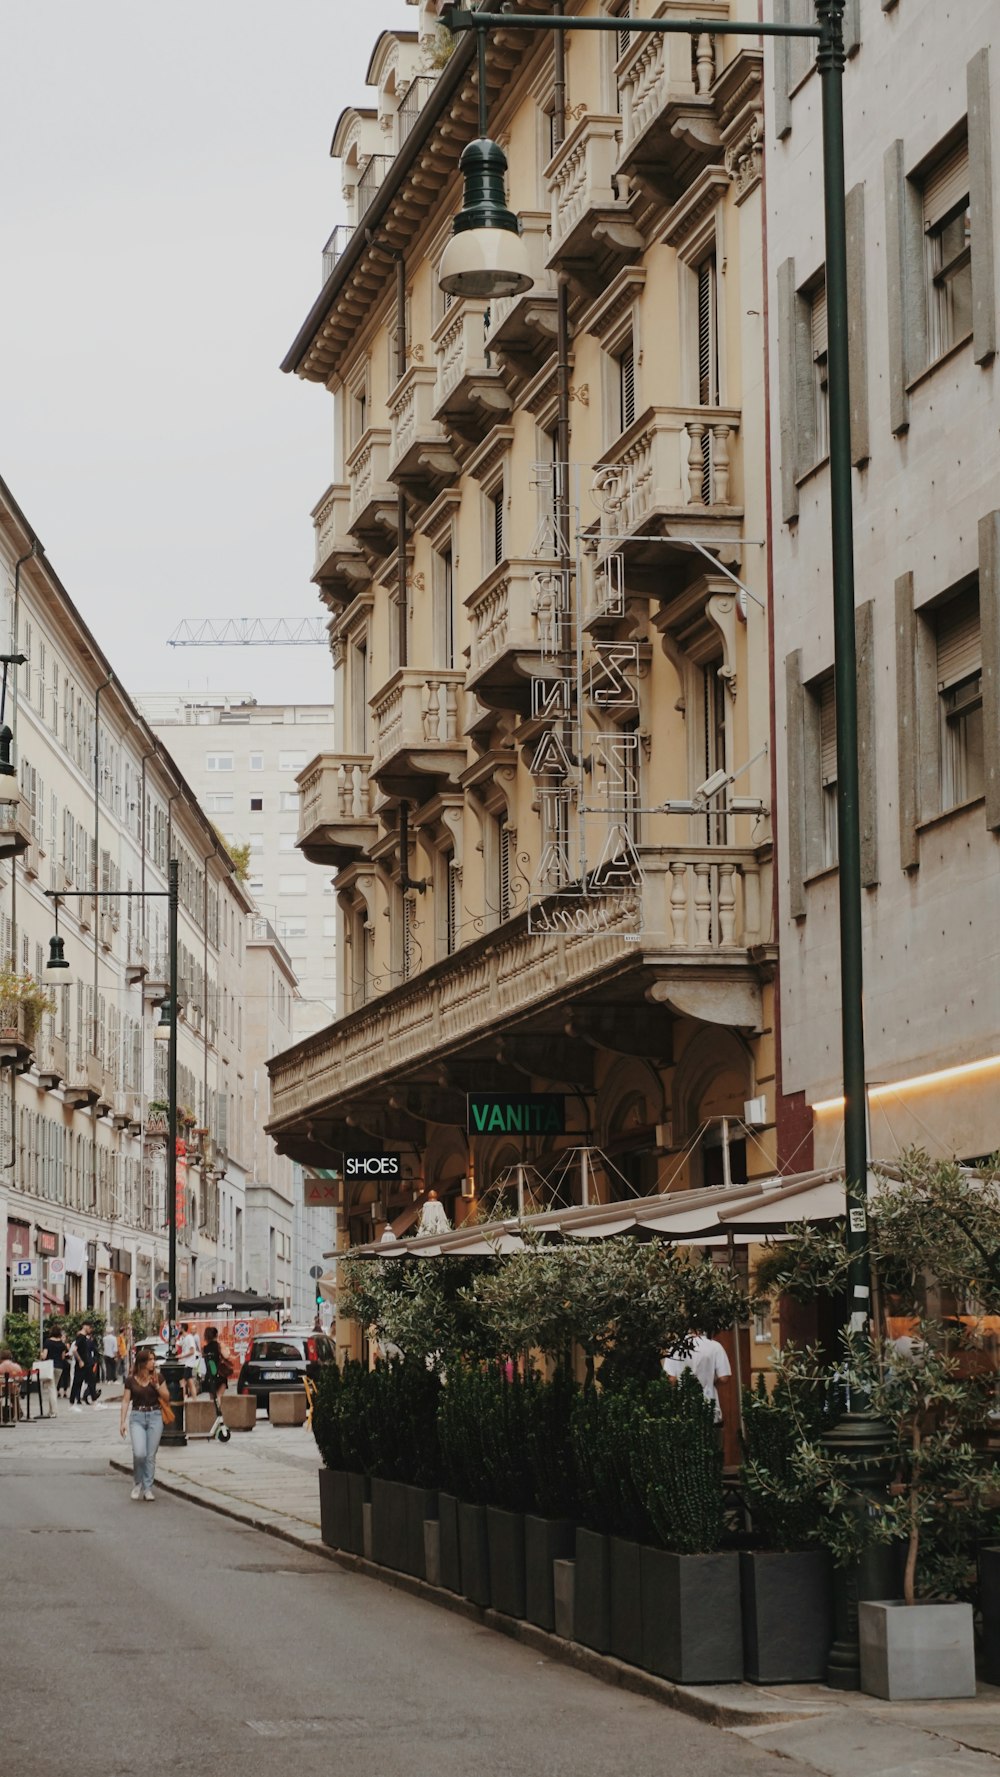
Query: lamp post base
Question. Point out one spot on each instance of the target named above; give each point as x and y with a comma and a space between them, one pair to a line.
864, 1439
173, 1373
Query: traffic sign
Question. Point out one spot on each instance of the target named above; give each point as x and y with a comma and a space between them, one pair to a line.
57, 1270
25, 1275
162, 1292
315, 1270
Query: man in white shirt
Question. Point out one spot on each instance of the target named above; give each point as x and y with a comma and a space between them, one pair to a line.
187, 1352
708, 1363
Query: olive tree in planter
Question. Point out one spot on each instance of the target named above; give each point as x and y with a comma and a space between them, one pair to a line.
785, 1585
691, 1626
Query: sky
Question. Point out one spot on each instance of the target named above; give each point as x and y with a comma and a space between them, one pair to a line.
166, 190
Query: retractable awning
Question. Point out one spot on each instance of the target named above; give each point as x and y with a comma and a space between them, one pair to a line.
709, 1217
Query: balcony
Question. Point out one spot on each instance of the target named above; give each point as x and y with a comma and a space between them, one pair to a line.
417, 719
420, 451
339, 567
509, 613
674, 469
31, 859
137, 960
373, 172
695, 952
668, 121
592, 229
84, 1083
18, 1034
335, 247
336, 823
371, 509
414, 100
15, 822
50, 1062
469, 393
521, 330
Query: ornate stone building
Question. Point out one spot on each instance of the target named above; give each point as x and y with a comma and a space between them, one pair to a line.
547, 793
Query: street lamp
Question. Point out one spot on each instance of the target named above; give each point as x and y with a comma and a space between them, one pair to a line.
486, 255
858, 1432
173, 1371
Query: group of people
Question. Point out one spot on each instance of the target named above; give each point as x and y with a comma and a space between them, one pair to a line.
76, 1366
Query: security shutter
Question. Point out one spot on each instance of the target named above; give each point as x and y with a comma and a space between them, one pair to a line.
946, 185
827, 733
959, 643
817, 318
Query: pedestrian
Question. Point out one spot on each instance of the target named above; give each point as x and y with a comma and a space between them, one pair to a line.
187, 1352
144, 1397
708, 1363
122, 1355
110, 1354
218, 1368
11, 1377
85, 1369
65, 1375
54, 1351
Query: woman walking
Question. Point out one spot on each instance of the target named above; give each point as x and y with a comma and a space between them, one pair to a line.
218, 1368
143, 1400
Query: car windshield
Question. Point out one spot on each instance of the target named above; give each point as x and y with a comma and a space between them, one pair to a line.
269, 1351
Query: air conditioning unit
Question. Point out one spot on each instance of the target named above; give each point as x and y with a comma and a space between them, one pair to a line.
755, 1113
468, 1188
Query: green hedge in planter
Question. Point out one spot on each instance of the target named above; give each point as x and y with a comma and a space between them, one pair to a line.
380, 1422
607, 1428
549, 1446
483, 1429
774, 1425
677, 1468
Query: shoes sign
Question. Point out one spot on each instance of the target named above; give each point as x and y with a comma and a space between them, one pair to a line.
373, 1166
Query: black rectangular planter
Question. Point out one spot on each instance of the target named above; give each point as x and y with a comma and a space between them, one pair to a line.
450, 1559
334, 1508
358, 1496
592, 1593
389, 1524
421, 1503
691, 1628
545, 1540
787, 1606
474, 1551
505, 1538
626, 1595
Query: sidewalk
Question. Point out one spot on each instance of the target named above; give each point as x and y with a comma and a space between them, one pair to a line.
268, 1479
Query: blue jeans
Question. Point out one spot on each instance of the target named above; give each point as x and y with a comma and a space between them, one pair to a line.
145, 1430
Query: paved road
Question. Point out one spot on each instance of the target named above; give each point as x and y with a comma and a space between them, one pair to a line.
145, 1640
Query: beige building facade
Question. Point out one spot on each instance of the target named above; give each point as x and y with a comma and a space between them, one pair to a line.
546, 794
923, 177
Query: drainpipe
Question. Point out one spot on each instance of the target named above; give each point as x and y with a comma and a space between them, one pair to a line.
402, 590
37, 548
95, 1022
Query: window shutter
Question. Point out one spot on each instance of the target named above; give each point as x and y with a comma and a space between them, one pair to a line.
407, 936
626, 368
946, 185
498, 528
959, 646
708, 380
818, 322
827, 733
508, 847
451, 909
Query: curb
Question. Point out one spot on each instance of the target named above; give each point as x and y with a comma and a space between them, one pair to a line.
697, 1703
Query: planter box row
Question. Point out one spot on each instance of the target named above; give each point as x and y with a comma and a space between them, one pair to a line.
695, 1619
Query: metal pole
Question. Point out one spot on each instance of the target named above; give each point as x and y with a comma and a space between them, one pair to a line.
173, 1371
831, 61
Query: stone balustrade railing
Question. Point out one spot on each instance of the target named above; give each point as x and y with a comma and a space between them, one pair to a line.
459, 347
416, 710
671, 459
580, 175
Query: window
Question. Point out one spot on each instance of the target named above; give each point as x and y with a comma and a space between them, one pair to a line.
218, 761
359, 697
616, 44
960, 699
625, 362
820, 380
329, 926
256, 805
506, 856
256, 885
256, 842
220, 804
291, 885
708, 333
827, 710
292, 928
256, 761
496, 526
714, 756
948, 251
444, 586
452, 916
408, 944
289, 802
291, 761
286, 841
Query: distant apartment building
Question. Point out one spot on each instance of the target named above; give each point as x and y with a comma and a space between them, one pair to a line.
921, 93
242, 759
96, 806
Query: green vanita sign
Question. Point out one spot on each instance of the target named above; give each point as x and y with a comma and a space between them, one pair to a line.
516, 1113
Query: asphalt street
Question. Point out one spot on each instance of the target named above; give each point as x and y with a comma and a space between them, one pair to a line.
141, 1640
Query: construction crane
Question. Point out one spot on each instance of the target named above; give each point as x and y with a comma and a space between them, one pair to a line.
249, 632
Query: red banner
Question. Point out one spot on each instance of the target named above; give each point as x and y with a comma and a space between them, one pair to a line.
180, 1184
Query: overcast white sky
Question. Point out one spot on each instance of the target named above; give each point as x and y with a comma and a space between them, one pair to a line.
165, 193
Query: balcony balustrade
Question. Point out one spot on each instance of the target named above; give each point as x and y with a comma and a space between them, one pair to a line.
469, 393
420, 451
373, 172
371, 512
592, 228
520, 330
674, 467
336, 823
15, 822
50, 1062
417, 718
668, 120
84, 1082
335, 247
513, 614
414, 100
339, 567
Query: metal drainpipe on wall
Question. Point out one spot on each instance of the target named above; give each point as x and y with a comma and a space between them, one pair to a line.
204, 1021
37, 548
402, 588
95, 1021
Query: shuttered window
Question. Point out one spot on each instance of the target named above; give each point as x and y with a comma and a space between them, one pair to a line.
818, 341
497, 517
959, 648
708, 354
948, 251
626, 386
451, 906
408, 939
946, 186
506, 853
827, 734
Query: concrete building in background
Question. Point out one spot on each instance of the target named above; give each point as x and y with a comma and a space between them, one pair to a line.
922, 100
242, 759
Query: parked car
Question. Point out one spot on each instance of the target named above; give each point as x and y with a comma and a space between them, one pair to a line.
282, 1361
156, 1345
